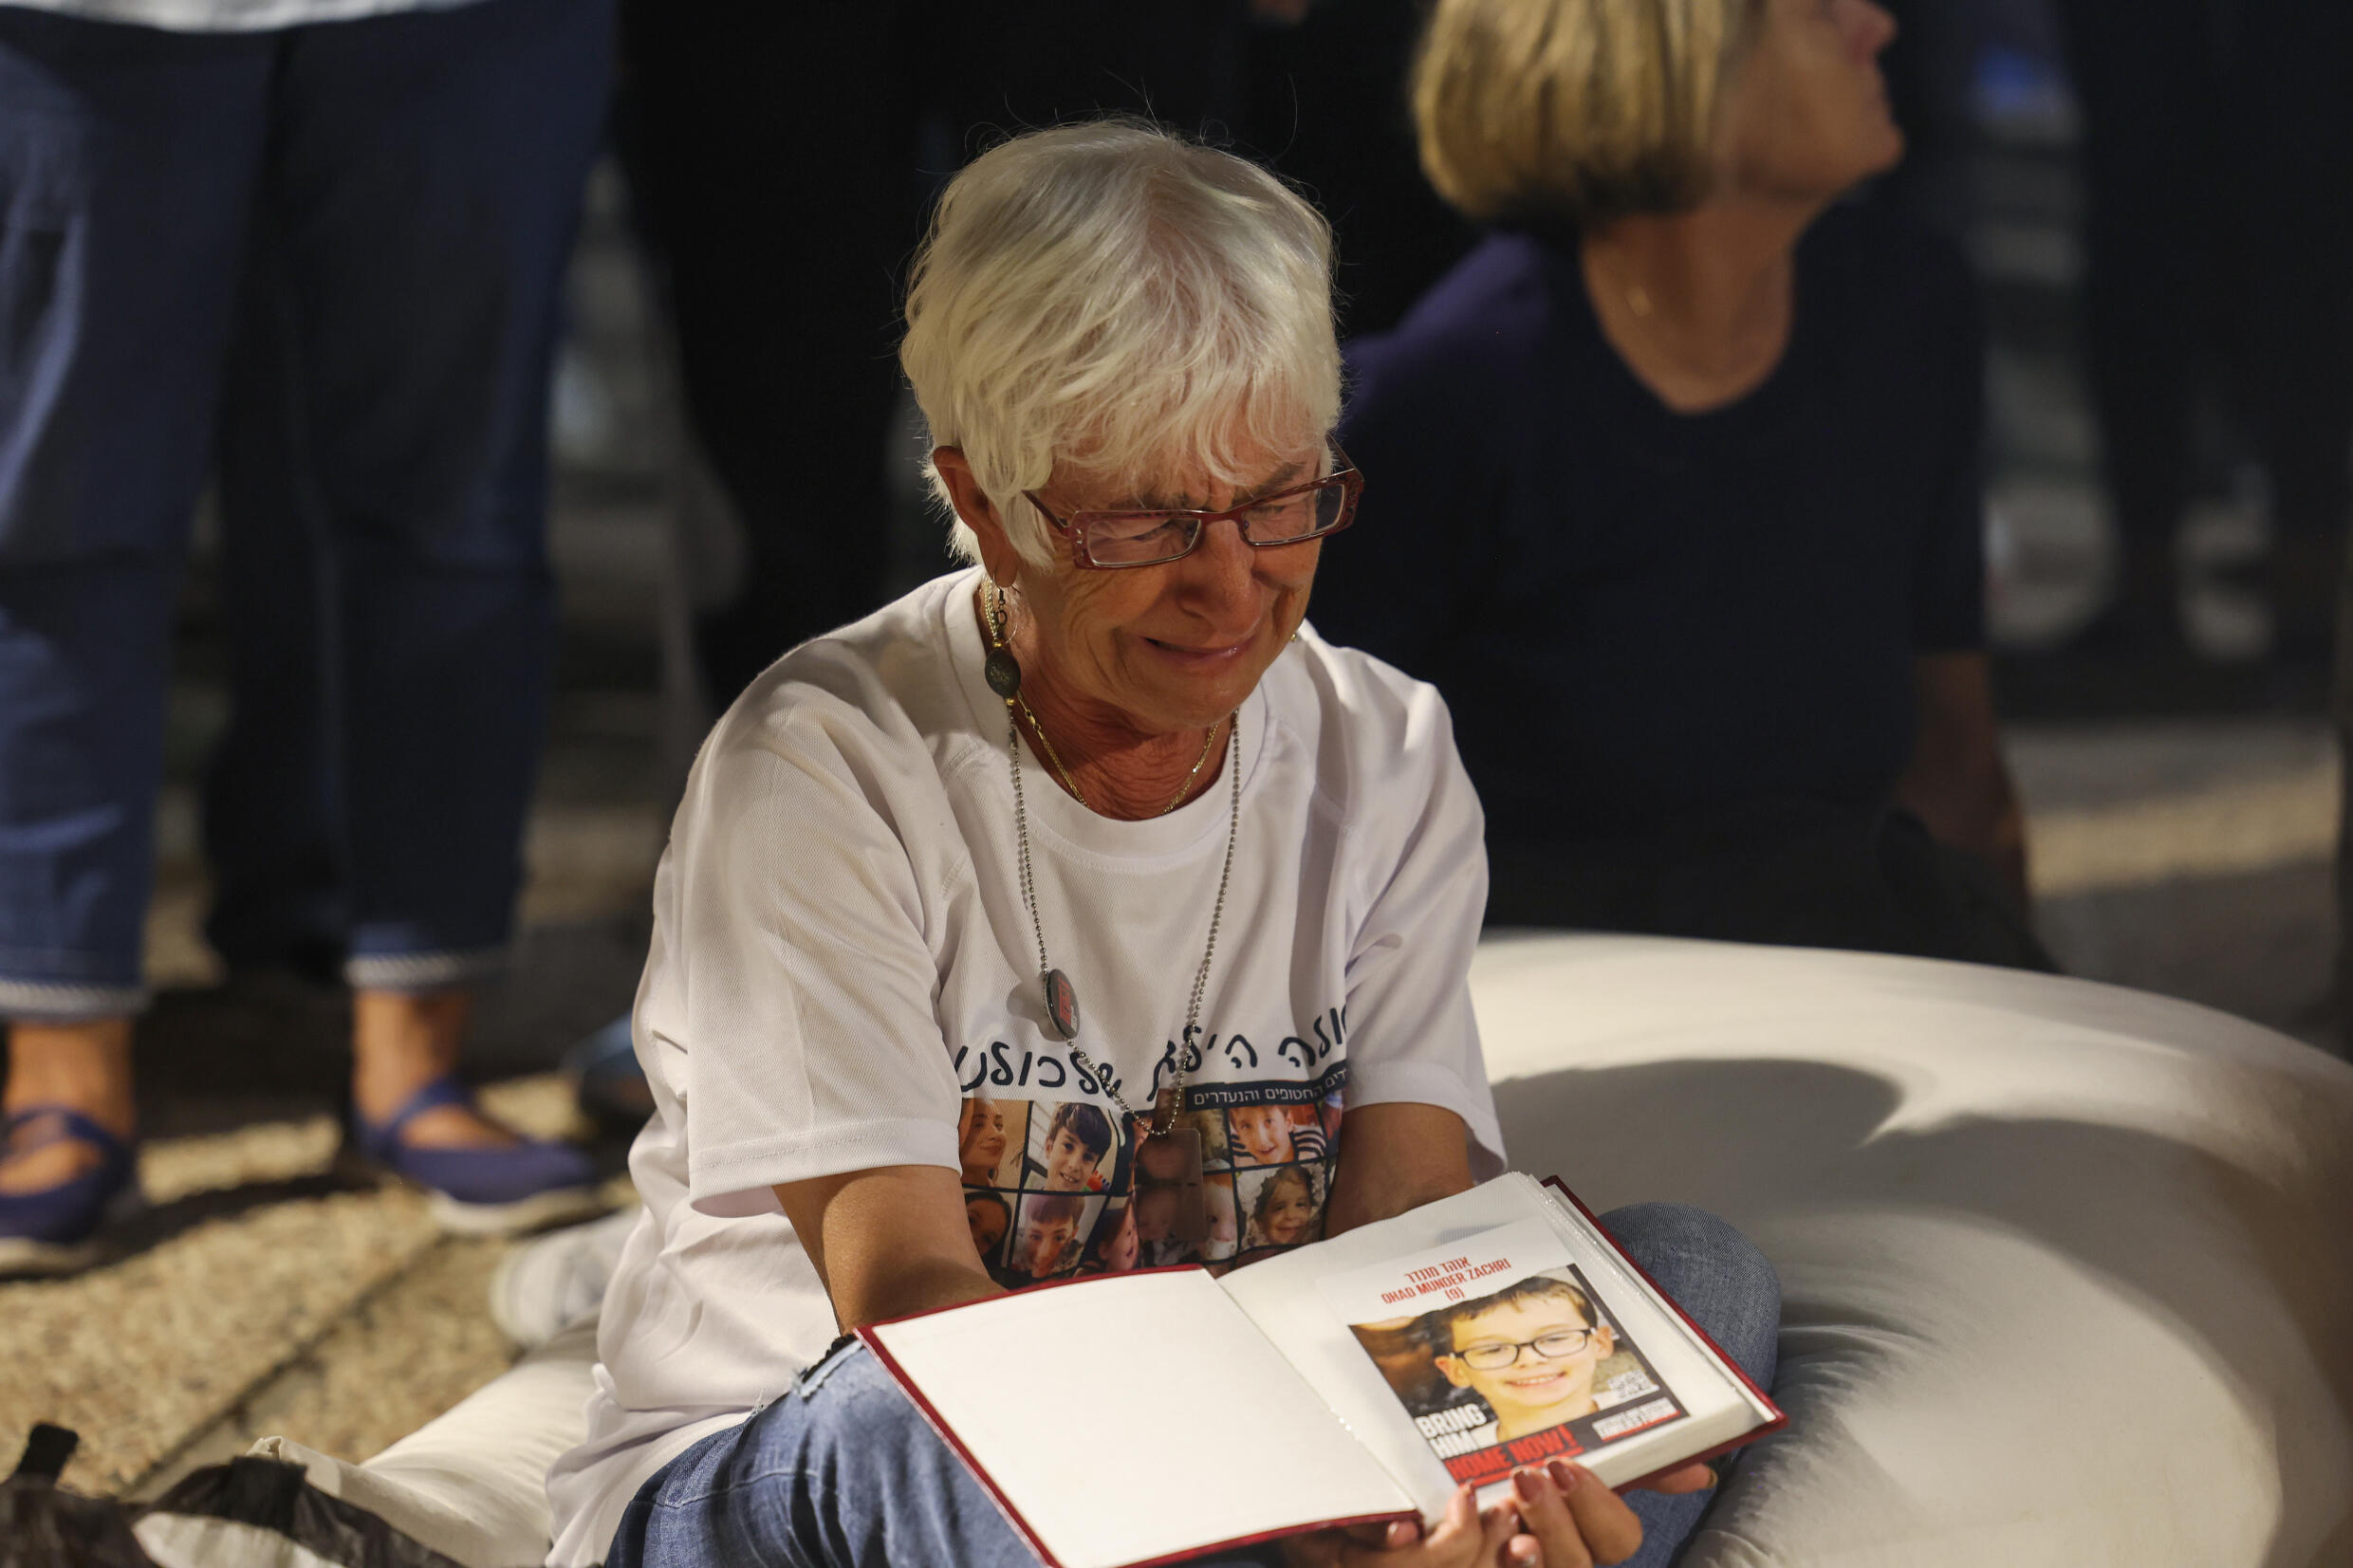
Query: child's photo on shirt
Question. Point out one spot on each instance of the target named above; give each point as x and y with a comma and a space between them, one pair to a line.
1282, 1208
991, 1136
1275, 1135
991, 1220
1071, 1148
1047, 1234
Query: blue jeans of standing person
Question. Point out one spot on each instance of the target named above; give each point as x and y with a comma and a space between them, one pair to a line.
322, 263
843, 1471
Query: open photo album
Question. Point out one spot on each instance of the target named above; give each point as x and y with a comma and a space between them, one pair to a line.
1129, 1419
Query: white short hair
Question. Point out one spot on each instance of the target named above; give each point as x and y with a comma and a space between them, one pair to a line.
1118, 300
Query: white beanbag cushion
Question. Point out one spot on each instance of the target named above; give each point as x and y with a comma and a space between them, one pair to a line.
2065, 1268
473, 1483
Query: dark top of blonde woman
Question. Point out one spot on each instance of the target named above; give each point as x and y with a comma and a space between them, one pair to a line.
1641, 618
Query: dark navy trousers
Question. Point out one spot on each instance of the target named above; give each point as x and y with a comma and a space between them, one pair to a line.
321, 267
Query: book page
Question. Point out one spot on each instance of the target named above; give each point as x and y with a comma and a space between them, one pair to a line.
1377, 1357
1499, 1350
1133, 1417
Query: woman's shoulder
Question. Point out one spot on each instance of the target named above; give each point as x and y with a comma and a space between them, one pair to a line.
882, 685
1375, 733
1488, 313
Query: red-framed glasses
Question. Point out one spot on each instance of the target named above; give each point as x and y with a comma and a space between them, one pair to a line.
1106, 540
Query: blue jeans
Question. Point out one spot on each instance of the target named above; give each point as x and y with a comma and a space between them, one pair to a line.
843, 1473
325, 263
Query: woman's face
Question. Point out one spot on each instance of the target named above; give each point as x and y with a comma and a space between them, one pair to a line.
1177, 646
980, 1142
987, 1221
1805, 115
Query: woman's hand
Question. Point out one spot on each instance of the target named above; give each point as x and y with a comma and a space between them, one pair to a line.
1562, 1518
1462, 1540
1569, 1520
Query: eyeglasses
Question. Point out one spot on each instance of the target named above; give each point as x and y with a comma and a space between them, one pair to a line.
1104, 541
1493, 1355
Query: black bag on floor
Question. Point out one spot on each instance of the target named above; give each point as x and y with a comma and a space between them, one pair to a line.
263, 1513
43, 1527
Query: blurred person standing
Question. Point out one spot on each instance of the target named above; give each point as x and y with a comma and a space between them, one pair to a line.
1677, 487
745, 126
772, 154
318, 244
1325, 87
2217, 163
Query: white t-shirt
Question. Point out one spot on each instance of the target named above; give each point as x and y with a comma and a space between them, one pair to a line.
230, 15
843, 976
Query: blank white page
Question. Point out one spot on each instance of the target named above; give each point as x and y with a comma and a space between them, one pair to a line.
1136, 1416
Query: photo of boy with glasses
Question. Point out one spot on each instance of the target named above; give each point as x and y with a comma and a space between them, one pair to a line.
1538, 1355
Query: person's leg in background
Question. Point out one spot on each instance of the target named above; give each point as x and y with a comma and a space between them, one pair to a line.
2290, 224
1327, 107
268, 816
2295, 372
389, 413
765, 147
127, 161
2151, 187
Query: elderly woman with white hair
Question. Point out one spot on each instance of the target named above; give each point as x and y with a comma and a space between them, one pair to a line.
1098, 822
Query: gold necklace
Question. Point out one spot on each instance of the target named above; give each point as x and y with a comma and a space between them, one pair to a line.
1003, 676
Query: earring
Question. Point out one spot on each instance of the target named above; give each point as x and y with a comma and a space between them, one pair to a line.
1001, 670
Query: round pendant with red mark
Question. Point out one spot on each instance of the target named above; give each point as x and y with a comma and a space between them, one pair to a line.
1061, 1004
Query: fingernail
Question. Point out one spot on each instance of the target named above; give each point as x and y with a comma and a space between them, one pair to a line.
1564, 1475
1524, 1550
1524, 1482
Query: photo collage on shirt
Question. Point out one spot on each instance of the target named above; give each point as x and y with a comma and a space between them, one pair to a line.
1056, 1188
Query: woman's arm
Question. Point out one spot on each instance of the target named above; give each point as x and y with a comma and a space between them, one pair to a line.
1394, 1157
888, 1242
1958, 784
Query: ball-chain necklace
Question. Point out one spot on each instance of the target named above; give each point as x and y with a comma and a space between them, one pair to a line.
1003, 673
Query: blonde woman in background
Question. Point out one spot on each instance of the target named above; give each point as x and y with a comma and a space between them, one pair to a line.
1679, 493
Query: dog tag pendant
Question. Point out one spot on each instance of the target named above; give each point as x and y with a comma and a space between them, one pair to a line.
1002, 671
1191, 1221
1061, 1004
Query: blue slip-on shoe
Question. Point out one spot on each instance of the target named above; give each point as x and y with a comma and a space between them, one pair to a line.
492, 1189
54, 1230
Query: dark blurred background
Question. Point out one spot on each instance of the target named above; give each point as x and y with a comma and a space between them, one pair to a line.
2182, 810
2182, 804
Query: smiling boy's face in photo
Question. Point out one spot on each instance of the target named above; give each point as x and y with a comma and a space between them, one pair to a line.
1069, 1164
1263, 1133
1531, 1359
1043, 1235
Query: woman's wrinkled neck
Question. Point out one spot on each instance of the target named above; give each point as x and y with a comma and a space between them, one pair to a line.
1119, 771
1699, 305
